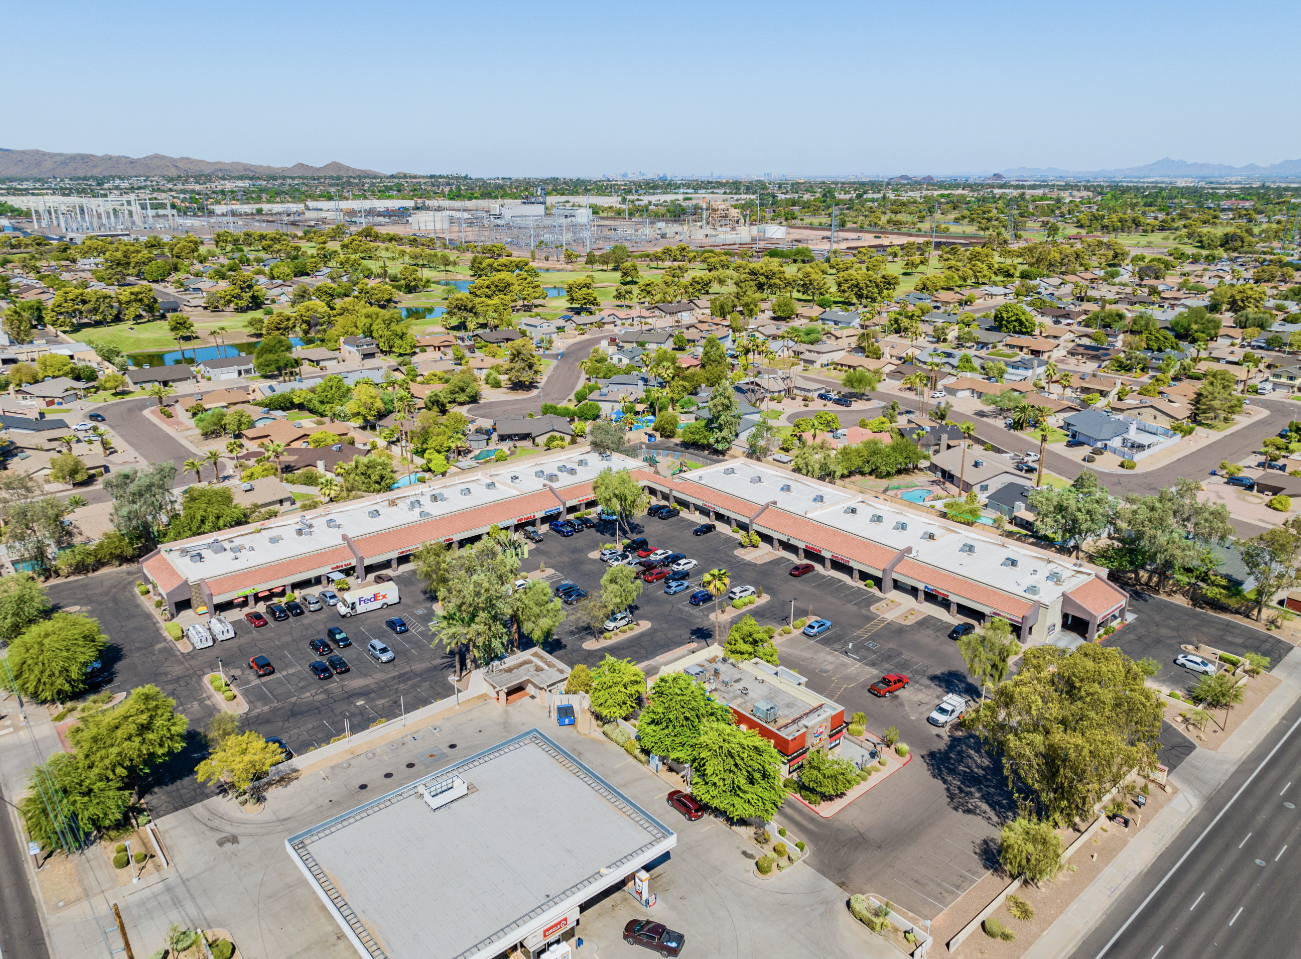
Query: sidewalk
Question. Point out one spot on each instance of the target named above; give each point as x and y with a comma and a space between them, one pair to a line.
1197, 778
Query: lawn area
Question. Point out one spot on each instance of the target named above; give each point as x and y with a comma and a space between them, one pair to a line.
110, 397
1055, 481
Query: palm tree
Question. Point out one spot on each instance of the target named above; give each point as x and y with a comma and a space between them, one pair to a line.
234, 447
967, 428
159, 392
195, 467
101, 434
67, 442
275, 451
329, 488
917, 382
1022, 417
1044, 433
716, 581
213, 458
218, 334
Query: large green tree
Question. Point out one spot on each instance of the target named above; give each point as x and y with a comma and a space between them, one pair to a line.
677, 709
1076, 514
22, 603
1216, 399
620, 587
1271, 559
988, 652
240, 760
747, 640
617, 688
1030, 849
522, 365
1172, 529
1069, 727
1015, 319
205, 509
737, 772
724, 417
606, 437
617, 492
143, 501
476, 601
65, 803
48, 660
828, 774
124, 742
536, 612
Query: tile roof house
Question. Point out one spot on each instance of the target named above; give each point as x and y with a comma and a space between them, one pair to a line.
290, 434
174, 375
982, 471
538, 429
970, 386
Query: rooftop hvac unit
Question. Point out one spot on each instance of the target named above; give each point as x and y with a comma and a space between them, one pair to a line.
373, 514
236, 550
413, 504
967, 548
695, 671
1032, 590
185, 551
331, 523
539, 473
393, 502
217, 546
298, 531
764, 711
552, 478
1055, 577
439, 794
1011, 561
465, 491
196, 558
786, 487
756, 479
514, 477
928, 535
978, 463
606, 457
246, 487
490, 485
582, 462
425, 515
819, 498
877, 518
275, 539
729, 470
901, 525
851, 510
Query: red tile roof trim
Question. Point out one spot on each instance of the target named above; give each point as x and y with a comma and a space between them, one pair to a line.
163, 573
1098, 596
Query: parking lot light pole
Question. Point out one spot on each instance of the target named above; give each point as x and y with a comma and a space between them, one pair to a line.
221, 669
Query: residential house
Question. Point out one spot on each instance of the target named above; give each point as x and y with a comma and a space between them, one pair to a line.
947, 299
819, 354
227, 367
631, 356
437, 341
176, 375
646, 339
1095, 427
318, 356
26, 432
496, 337
1161, 412
841, 318
683, 311
54, 391
934, 439
965, 386
980, 471
538, 429
292, 434
1286, 378
263, 493
1036, 346
852, 361
1013, 500
359, 348
1083, 384
613, 398
217, 399
326, 459
1278, 484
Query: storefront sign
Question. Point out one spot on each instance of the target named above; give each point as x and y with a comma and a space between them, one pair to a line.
247, 592
525, 519
819, 733
1014, 620
841, 559
814, 549
935, 592
560, 925
408, 551
338, 566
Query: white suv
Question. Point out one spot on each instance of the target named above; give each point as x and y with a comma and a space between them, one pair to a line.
685, 564
736, 592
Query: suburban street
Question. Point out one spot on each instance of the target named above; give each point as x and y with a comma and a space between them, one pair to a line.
1226, 887
21, 935
559, 385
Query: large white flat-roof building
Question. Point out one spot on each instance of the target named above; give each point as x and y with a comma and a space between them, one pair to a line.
497, 851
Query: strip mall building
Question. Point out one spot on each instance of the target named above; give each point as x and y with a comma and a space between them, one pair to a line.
967, 571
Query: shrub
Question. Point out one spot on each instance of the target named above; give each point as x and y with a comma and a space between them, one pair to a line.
779, 849
1019, 908
607, 635
891, 735
222, 949
791, 784
62, 715
1230, 660
229, 696
158, 604
737, 604
183, 939
799, 844
781, 831
215, 681
859, 718
736, 529
786, 630
793, 856
160, 954
861, 909
1280, 503
142, 589
865, 774
1174, 694
120, 860
140, 857
765, 864
881, 760
800, 623
120, 847
632, 749
901, 749
1127, 464
616, 733
996, 930
810, 797
173, 630
1256, 662
856, 730
758, 590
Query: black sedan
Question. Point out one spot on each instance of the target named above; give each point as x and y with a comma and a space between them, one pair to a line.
397, 624
653, 935
96, 417
276, 740
582, 522
960, 630
703, 528
295, 609
339, 636
278, 612
320, 647
319, 669
337, 663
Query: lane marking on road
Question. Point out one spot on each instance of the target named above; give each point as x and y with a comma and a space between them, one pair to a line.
1244, 840
1196, 842
1280, 854
1286, 788
1158, 951
1195, 902
1235, 916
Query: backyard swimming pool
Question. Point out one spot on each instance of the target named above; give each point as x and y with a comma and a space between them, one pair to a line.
916, 495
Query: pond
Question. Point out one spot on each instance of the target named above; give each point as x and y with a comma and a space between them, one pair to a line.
554, 290
462, 285
199, 353
421, 312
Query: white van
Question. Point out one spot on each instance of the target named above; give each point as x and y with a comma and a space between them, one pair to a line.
221, 628
367, 596
1264, 388
198, 635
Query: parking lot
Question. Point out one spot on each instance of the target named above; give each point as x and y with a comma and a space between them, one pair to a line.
291, 703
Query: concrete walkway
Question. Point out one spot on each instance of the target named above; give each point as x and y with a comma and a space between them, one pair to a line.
1197, 778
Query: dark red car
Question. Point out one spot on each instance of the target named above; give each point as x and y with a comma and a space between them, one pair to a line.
256, 618
261, 665
654, 935
799, 569
686, 804
887, 684
654, 575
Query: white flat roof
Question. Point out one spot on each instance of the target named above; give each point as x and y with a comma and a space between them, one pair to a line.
986, 565
538, 834
251, 547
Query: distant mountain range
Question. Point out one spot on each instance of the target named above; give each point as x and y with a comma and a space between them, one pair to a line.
1167, 167
38, 163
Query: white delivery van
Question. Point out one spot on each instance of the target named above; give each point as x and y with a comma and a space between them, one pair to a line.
221, 628
198, 635
367, 596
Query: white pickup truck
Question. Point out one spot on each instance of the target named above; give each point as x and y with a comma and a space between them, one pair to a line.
951, 707
367, 596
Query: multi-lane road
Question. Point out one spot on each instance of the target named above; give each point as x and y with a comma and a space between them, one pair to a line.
1226, 887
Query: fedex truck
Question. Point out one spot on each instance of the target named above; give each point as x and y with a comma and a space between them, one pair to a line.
365, 597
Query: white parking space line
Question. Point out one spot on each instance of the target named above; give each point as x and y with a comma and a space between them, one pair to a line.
1244, 840
1235, 916
1195, 902
1280, 854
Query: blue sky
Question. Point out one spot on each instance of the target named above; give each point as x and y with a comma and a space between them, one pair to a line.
584, 88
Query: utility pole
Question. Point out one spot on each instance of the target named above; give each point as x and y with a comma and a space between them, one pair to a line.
121, 928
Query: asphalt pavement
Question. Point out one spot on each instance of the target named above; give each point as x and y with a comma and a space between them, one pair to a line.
21, 935
561, 382
1226, 886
